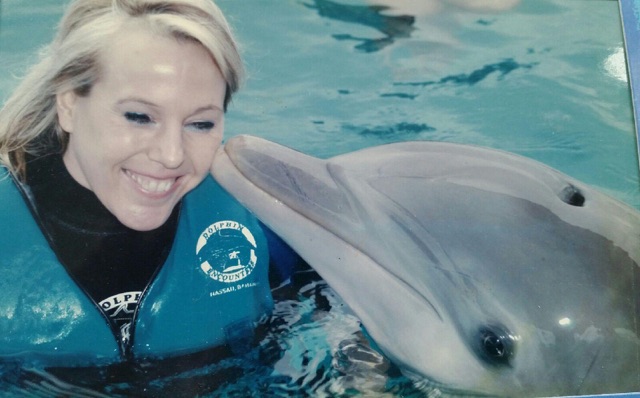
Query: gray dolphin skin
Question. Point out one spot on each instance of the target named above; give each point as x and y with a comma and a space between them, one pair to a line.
482, 271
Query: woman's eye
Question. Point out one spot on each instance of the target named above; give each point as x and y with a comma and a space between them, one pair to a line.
138, 118
203, 126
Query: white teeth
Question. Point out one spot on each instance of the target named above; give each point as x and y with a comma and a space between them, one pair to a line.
151, 184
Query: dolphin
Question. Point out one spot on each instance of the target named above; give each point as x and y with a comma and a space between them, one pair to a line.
479, 270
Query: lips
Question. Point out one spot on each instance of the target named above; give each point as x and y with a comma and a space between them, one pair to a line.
150, 184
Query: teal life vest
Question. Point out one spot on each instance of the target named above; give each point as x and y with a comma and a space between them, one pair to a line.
211, 290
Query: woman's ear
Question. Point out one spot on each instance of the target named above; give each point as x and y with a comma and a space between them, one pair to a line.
66, 107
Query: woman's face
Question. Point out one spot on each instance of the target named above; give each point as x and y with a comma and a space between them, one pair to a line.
147, 133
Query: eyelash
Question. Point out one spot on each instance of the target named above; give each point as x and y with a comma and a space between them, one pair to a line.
203, 126
137, 118
142, 119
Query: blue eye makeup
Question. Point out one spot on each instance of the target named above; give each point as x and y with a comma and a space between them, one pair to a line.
143, 119
203, 126
138, 118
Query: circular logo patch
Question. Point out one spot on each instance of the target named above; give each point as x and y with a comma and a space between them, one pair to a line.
226, 251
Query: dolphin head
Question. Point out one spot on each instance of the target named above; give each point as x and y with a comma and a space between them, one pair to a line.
480, 270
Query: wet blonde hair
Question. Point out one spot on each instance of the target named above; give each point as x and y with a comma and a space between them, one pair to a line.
29, 120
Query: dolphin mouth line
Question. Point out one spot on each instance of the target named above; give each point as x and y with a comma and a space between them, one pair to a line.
428, 384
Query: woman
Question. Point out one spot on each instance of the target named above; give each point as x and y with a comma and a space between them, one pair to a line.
116, 243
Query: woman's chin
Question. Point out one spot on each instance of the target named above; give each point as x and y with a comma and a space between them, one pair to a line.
145, 220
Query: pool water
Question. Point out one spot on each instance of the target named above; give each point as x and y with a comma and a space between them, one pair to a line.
541, 78
545, 79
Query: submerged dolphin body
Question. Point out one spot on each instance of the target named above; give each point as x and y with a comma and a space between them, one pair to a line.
480, 270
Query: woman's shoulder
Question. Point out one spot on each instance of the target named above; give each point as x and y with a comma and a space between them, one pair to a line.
210, 197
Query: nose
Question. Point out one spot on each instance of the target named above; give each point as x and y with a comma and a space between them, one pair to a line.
167, 147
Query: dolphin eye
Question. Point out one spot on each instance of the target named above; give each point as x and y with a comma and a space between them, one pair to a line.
496, 345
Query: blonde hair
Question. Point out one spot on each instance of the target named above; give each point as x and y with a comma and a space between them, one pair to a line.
28, 120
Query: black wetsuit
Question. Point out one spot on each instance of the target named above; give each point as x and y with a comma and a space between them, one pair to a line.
108, 260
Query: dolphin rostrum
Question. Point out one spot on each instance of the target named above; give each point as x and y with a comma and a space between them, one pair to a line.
480, 270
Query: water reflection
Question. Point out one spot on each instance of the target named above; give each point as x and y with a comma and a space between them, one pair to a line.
398, 19
392, 26
502, 68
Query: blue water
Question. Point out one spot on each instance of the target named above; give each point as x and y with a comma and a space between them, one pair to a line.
542, 78
545, 79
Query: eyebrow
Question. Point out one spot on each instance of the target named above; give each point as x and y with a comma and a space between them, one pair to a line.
153, 105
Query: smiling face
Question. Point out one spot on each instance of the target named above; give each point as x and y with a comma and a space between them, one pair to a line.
147, 132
